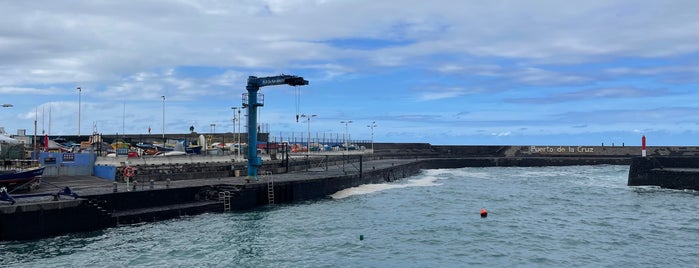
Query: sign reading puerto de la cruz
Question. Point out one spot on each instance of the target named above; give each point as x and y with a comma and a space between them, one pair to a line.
561, 150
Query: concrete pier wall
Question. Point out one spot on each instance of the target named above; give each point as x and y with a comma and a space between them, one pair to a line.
673, 172
48, 219
92, 212
212, 166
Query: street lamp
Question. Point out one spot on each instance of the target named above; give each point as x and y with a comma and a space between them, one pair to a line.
80, 93
372, 126
163, 118
240, 130
346, 133
308, 145
213, 131
235, 133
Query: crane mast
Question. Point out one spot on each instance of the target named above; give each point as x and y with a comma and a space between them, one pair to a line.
254, 85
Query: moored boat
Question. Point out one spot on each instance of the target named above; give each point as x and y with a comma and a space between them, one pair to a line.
29, 177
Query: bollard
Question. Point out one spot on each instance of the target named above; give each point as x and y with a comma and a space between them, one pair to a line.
167, 183
152, 184
115, 187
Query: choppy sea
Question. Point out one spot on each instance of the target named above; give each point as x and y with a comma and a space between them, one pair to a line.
538, 217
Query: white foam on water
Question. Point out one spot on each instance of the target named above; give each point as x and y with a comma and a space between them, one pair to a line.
373, 188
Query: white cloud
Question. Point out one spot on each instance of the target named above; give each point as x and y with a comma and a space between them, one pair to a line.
501, 134
90, 41
203, 51
26, 91
431, 94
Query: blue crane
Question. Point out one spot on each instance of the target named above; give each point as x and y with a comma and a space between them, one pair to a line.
254, 85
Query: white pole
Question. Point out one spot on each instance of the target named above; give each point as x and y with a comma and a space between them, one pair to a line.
123, 118
373, 124
239, 134
235, 138
346, 134
80, 91
308, 144
163, 119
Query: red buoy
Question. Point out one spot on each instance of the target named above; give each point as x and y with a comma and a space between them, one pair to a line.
484, 213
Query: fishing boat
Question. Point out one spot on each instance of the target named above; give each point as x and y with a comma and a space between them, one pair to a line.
28, 177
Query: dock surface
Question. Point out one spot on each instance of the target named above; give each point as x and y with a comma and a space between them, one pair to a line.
92, 185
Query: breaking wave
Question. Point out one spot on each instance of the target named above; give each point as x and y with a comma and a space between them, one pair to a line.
423, 181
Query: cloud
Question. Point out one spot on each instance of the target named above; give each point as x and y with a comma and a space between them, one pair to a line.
501, 134
662, 115
443, 55
431, 94
597, 93
94, 41
26, 91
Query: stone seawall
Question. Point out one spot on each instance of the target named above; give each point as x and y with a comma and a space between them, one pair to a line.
255, 195
459, 151
679, 172
522, 162
195, 167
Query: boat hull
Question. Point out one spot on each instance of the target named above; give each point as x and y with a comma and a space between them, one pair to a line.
20, 177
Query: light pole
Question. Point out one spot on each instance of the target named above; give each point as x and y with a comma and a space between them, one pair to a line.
308, 145
346, 133
80, 93
213, 132
239, 134
372, 126
163, 118
7, 105
236, 134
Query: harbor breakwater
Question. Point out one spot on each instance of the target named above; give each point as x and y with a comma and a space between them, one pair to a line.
192, 167
673, 172
388, 162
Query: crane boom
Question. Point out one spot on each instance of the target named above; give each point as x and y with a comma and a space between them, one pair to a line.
254, 85
291, 80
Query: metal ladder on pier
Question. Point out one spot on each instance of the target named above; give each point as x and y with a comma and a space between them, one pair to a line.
225, 196
270, 186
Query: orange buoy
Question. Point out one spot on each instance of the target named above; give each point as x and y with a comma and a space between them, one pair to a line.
484, 213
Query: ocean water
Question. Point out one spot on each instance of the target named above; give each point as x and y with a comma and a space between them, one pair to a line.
538, 217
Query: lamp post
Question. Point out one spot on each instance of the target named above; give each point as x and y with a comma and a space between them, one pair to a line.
213, 132
7, 105
163, 118
236, 134
80, 93
372, 126
346, 133
239, 130
308, 144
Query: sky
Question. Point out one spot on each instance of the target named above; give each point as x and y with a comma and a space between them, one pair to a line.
442, 72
